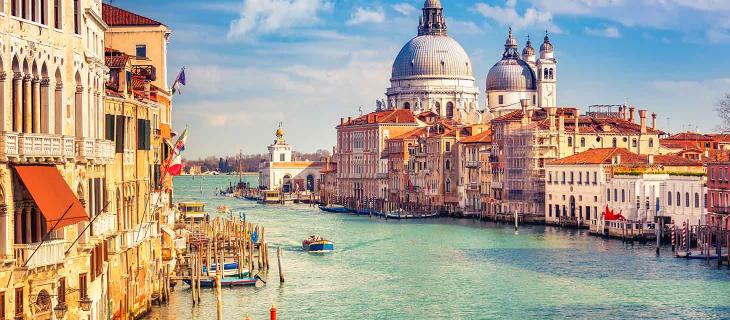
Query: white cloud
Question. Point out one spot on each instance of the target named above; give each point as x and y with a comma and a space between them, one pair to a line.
509, 16
710, 87
270, 16
608, 32
366, 15
405, 9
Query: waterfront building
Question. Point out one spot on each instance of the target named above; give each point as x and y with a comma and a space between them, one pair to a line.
281, 172
475, 171
360, 151
718, 192
432, 72
54, 160
524, 140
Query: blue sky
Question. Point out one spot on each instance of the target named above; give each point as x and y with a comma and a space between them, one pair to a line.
253, 63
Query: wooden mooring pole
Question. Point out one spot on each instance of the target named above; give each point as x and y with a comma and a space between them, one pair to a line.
278, 260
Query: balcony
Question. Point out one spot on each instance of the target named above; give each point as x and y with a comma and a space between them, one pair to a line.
50, 253
719, 209
138, 234
84, 149
472, 186
382, 175
473, 164
148, 72
104, 151
105, 225
35, 147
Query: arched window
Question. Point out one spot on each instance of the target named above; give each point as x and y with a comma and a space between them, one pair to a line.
588, 177
686, 199
615, 195
614, 142
582, 142
623, 195
679, 199
651, 142
633, 143
571, 177
697, 200
669, 198
545, 74
608, 194
570, 141
448, 185
449, 110
407, 105
447, 165
552, 75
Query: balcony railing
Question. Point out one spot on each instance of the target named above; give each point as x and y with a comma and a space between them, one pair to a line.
473, 164
719, 209
146, 71
104, 150
35, 147
49, 253
472, 186
105, 225
84, 149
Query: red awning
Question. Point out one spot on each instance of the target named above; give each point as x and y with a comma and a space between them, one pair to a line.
53, 196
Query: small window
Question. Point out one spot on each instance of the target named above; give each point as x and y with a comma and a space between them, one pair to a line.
697, 200
633, 143
282, 157
406, 105
669, 198
83, 285
57, 14
448, 146
19, 301
679, 199
77, 17
614, 143
582, 142
141, 52
651, 142
570, 141
447, 165
501, 99
686, 199
623, 195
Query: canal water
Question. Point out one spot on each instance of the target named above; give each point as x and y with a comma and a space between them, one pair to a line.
451, 269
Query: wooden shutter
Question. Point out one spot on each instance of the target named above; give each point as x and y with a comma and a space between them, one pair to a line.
120, 134
109, 128
148, 134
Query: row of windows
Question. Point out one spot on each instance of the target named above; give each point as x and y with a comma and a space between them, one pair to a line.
678, 199
573, 212
572, 176
720, 174
37, 11
614, 142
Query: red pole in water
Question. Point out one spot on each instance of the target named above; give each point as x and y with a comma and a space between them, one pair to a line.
272, 312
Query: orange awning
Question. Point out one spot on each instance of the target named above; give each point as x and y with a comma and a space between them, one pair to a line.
165, 131
52, 195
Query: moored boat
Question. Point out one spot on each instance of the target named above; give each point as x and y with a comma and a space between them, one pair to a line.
228, 282
193, 211
229, 269
317, 244
334, 209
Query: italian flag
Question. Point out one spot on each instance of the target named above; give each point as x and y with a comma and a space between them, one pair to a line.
174, 166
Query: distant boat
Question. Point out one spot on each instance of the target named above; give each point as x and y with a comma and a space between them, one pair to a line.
193, 211
334, 209
318, 244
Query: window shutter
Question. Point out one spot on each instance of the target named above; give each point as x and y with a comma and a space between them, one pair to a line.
120, 134
148, 134
140, 134
109, 127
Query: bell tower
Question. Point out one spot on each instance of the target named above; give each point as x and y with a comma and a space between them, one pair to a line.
280, 151
547, 75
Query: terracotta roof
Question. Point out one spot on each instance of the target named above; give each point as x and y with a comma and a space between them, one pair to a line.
600, 156
586, 124
691, 136
722, 137
115, 16
387, 116
673, 160
113, 93
484, 137
413, 134
678, 144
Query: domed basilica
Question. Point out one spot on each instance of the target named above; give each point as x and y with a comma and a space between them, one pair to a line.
434, 73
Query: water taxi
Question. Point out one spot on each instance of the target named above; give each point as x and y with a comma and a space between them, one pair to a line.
270, 197
193, 211
222, 209
317, 244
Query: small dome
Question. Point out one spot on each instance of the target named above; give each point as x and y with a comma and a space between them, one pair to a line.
432, 56
528, 50
279, 132
546, 45
432, 4
511, 75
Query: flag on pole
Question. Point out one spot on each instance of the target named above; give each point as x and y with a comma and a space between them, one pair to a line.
180, 143
179, 80
175, 167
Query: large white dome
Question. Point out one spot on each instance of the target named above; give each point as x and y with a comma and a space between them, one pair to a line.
511, 74
432, 56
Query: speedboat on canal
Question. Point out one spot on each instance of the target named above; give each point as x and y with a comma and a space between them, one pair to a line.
317, 244
333, 208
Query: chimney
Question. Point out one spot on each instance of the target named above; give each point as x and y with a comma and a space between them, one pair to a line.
577, 117
524, 104
551, 117
631, 114
561, 123
642, 115
622, 109
617, 159
653, 120
342, 121
651, 159
349, 119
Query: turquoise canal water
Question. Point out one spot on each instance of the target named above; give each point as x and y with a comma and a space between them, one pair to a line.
452, 269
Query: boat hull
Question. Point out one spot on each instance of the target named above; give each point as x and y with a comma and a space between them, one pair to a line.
320, 246
226, 282
334, 209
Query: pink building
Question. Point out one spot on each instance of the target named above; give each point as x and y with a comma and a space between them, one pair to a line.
718, 191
